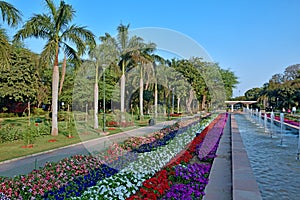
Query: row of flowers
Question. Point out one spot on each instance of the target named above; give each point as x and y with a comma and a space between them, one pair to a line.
58, 179
286, 120
161, 165
145, 166
182, 180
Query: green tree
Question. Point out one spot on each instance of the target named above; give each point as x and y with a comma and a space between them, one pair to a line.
101, 57
125, 46
56, 29
12, 17
252, 94
230, 81
143, 60
20, 81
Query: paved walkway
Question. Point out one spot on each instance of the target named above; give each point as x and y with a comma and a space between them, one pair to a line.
26, 164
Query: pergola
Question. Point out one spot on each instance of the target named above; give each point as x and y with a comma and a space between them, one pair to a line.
247, 103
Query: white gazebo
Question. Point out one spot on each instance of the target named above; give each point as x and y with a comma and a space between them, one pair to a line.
247, 103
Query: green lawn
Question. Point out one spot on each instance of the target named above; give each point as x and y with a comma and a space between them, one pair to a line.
83, 132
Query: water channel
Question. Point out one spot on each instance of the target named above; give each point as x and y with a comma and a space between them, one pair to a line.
275, 166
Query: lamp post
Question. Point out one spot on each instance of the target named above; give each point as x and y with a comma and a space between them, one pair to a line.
103, 98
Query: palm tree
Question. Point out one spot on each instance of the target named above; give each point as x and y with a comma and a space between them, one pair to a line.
12, 17
142, 57
125, 47
101, 56
56, 29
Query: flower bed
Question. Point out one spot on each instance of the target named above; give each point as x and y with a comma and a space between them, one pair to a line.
154, 173
71, 176
185, 181
147, 165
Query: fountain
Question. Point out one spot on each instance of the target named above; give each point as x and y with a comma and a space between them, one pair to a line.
298, 152
272, 123
265, 122
281, 129
259, 120
276, 170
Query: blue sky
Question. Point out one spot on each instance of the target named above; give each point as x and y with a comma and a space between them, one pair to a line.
255, 39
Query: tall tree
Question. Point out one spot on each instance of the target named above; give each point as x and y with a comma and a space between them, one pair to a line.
143, 59
101, 56
125, 46
12, 17
55, 28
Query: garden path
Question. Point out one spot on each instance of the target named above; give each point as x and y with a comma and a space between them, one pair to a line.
26, 164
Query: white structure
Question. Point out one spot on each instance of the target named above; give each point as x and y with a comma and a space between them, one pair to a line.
247, 103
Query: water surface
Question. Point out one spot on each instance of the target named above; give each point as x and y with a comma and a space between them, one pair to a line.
275, 167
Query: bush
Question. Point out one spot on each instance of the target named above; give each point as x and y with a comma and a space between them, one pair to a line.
10, 133
7, 115
39, 111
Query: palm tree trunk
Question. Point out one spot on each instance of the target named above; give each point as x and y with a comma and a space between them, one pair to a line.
189, 102
155, 99
63, 74
178, 103
141, 94
203, 102
96, 90
55, 81
123, 92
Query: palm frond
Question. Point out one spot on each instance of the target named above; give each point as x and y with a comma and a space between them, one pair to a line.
64, 16
4, 47
48, 53
80, 37
122, 36
49, 5
10, 14
71, 53
38, 26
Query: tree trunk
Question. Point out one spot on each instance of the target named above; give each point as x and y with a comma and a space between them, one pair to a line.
189, 102
96, 90
203, 102
123, 92
55, 80
141, 94
178, 103
63, 74
155, 100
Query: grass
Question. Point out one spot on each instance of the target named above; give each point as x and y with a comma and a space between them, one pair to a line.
83, 132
